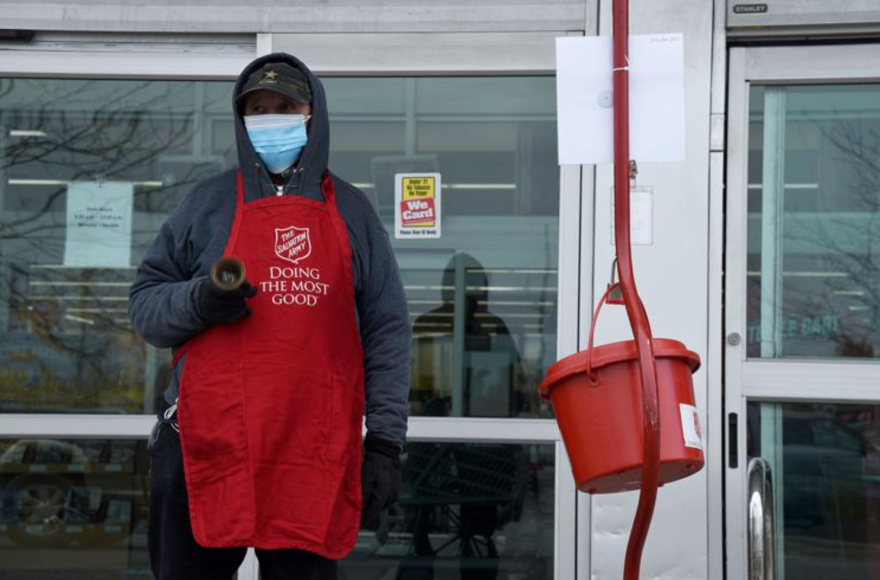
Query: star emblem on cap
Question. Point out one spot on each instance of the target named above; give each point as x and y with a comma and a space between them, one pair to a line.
269, 77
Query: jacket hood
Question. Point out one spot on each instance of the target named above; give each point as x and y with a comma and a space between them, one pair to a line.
309, 171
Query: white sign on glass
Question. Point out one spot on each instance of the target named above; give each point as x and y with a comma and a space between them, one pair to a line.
585, 99
99, 225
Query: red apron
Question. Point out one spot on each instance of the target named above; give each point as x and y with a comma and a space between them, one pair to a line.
270, 408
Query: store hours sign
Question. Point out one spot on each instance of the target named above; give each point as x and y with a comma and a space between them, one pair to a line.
98, 225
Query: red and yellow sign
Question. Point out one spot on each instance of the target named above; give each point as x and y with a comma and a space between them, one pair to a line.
418, 207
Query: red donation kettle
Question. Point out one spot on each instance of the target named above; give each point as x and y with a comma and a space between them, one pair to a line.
597, 397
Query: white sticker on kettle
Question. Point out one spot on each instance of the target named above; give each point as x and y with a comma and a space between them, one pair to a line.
690, 427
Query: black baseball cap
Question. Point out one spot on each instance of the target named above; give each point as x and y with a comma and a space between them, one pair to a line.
281, 78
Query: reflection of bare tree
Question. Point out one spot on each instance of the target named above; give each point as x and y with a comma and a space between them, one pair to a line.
838, 239
111, 142
852, 250
68, 339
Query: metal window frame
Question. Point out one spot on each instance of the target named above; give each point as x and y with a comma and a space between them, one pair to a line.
489, 54
784, 380
714, 359
424, 54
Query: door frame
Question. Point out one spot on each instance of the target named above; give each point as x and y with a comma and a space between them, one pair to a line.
768, 380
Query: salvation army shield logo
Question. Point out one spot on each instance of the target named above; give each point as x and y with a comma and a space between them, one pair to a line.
292, 244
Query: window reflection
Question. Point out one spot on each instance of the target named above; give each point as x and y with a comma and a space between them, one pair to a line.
74, 507
825, 462
67, 345
814, 197
462, 334
475, 511
483, 297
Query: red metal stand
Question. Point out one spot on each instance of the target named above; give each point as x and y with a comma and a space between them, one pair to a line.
638, 318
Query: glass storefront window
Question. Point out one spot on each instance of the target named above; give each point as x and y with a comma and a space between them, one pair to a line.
73, 509
814, 198
825, 468
132, 149
480, 511
470, 511
482, 297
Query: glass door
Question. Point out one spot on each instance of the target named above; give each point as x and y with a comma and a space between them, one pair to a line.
802, 384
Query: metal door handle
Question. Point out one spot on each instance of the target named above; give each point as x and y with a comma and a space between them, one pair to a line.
762, 544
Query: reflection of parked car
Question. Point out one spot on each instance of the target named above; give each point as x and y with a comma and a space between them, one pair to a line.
825, 470
34, 501
56, 492
826, 482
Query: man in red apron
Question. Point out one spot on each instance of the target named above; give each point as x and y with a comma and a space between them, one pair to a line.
260, 445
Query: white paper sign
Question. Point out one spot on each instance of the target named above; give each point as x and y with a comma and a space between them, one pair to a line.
417, 205
584, 96
641, 216
690, 426
99, 225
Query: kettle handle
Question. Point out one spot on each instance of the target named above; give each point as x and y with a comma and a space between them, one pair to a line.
592, 375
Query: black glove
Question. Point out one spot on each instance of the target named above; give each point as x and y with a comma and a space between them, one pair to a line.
380, 478
217, 306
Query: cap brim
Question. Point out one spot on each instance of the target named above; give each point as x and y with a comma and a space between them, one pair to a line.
273, 89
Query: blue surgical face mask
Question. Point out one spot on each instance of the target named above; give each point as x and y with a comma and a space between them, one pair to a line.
278, 139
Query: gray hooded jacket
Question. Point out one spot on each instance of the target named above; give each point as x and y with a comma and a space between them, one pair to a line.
162, 298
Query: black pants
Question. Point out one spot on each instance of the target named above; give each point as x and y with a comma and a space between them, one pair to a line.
174, 553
